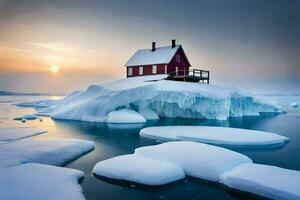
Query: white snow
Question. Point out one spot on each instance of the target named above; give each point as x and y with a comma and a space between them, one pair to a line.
165, 98
264, 180
294, 104
215, 135
125, 116
52, 152
36, 181
162, 55
9, 134
196, 159
139, 170
160, 164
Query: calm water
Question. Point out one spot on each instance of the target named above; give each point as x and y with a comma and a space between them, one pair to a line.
113, 140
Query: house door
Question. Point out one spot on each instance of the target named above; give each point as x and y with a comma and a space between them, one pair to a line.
176, 71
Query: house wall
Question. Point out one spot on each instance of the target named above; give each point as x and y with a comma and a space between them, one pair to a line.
182, 65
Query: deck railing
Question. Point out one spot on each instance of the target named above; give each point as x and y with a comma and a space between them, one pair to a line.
191, 75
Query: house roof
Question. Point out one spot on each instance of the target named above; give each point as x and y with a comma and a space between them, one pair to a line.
161, 55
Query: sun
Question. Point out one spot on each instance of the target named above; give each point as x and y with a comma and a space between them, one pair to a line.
55, 69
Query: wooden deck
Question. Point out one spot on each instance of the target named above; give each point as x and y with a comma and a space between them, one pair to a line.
192, 75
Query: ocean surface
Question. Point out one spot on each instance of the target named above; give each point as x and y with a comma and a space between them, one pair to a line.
113, 140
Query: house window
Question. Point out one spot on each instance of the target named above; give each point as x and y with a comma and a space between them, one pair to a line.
141, 70
177, 58
154, 69
129, 71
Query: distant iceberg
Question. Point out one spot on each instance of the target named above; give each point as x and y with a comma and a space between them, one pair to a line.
154, 97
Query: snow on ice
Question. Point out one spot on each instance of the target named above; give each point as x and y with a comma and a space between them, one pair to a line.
163, 98
52, 152
294, 104
10, 134
36, 181
195, 159
125, 116
264, 180
215, 135
139, 170
202, 161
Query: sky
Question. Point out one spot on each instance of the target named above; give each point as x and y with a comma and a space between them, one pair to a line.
252, 45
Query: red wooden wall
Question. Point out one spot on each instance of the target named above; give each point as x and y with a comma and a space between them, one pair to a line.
183, 64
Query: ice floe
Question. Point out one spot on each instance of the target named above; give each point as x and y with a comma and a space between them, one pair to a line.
26, 117
36, 181
215, 135
10, 134
125, 116
39, 103
294, 104
139, 170
52, 152
164, 98
195, 159
160, 164
264, 180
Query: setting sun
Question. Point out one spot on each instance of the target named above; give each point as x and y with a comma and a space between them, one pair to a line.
54, 69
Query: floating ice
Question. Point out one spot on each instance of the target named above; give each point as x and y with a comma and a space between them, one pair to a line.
36, 181
164, 98
215, 135
294, 104
53, 152
9, 134
195, 159
139, 170
125, 116
264, 180
26, 117
160, 164
40, 103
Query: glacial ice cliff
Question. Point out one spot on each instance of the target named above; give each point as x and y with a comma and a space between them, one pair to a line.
165, 98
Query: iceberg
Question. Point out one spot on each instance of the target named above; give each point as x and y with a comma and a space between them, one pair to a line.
162, 97
53, 152
215, 135
264, 180
36, 181
10, 134
125, 116
139, 170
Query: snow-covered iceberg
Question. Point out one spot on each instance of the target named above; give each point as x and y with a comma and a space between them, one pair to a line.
264, 180
36, 181
52, 152
164, 98
10, 134
139, 170
215, 135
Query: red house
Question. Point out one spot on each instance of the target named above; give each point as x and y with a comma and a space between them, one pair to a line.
161, 60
